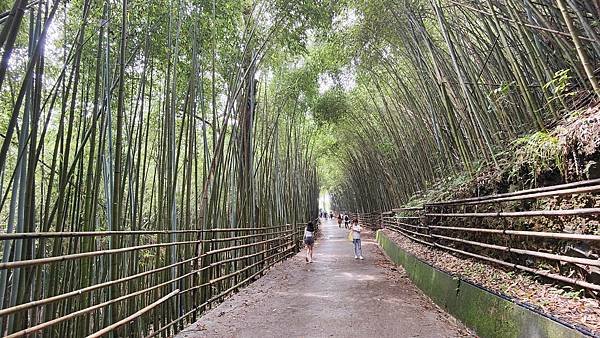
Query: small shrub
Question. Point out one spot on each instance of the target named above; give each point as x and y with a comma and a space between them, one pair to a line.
535, 155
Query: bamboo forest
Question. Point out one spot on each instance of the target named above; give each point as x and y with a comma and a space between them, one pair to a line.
306, 168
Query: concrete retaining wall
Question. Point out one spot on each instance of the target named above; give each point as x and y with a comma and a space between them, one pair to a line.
484, 312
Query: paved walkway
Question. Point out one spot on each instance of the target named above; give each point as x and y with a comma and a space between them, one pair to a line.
336, 296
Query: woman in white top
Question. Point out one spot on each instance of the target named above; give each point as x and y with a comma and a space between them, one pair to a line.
309, 240
356, 230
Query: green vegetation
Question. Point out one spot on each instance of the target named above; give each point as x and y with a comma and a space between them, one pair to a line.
157, 121
484, 312
175, 116
444, 88
539, 152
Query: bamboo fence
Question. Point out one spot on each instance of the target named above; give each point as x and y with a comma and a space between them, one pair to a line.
149, 167
501, 242
230, 268
447, 84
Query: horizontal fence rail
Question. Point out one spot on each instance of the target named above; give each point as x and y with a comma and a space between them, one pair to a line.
490, 229
372, 220
554, 190
179, 275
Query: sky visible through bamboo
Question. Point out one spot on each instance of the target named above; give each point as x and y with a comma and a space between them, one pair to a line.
156, 167
447, 85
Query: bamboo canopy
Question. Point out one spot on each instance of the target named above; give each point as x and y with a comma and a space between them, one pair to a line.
445, 85
149, 164
156, 156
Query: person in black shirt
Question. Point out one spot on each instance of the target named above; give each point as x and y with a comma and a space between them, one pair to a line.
309, 240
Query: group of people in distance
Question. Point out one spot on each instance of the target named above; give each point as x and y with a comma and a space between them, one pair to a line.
355, 230
326, 215
345, 219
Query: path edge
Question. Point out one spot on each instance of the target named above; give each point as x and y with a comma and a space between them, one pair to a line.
486, 313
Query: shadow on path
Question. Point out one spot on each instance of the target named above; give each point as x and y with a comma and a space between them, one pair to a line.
336, 296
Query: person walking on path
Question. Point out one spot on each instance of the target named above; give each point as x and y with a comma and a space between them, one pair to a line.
346, 221
340, 221
356, 230
309, 240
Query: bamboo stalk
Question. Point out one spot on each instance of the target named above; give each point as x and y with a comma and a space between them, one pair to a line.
585, 63
543, 234
554, 276
133, 316
562, 258
52, 259
9, 236
569, 187
535, 213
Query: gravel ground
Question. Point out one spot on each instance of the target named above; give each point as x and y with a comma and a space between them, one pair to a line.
562, 303
336, 296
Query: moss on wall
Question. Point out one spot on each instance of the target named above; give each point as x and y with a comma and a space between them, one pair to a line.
484, 312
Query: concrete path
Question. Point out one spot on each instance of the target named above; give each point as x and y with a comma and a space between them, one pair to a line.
336, 296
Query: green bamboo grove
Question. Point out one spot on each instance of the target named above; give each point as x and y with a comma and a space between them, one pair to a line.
150, 162
156, 156
444, 85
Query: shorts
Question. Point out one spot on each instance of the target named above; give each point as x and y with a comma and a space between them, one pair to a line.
309, 241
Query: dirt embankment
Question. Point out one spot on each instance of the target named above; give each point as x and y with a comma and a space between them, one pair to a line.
569, 152
565, 304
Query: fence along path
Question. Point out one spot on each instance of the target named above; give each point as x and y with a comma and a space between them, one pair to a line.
161, 299
336, 296
428, 225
